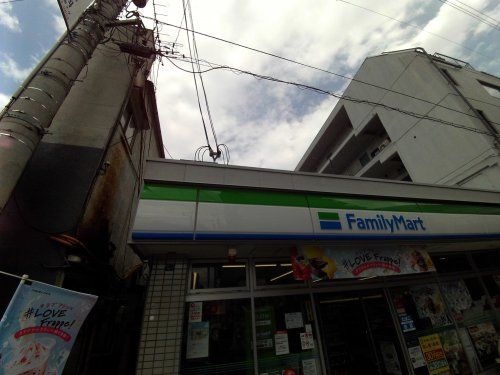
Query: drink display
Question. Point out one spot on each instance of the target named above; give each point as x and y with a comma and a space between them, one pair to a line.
29, 359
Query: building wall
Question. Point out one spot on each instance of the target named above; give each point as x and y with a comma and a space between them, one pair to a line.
454, 154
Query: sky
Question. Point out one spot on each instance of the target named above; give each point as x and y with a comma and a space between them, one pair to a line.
264, 123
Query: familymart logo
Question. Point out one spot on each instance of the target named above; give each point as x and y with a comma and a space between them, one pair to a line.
329, 221
376, 222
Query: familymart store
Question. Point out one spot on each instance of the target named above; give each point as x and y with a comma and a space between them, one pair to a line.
255, 271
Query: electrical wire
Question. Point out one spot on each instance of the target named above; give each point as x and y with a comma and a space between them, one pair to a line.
318, 69
414, 26
355, 100
469, 13
477, 11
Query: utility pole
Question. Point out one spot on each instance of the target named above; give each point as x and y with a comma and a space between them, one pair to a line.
29, 114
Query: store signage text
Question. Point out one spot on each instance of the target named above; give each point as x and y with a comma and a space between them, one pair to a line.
393, 224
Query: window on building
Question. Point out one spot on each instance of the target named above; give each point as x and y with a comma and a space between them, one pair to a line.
491, 89
451, 263
218, 338
128, 125
209, 276
274, 273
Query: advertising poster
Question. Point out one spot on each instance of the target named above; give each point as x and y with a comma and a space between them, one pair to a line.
458, 298
195, 311
39, 328
281, 342
434, 354
454, 352
264, 327
430, 304
306, 340
309, 366
197, 340
485, 341
293, 320
320, 263
416, 356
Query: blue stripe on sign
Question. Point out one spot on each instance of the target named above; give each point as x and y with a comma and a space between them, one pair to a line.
330, 225
283, 236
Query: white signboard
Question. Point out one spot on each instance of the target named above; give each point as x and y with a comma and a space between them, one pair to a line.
293, 320
306, 340
281, 342
72, 10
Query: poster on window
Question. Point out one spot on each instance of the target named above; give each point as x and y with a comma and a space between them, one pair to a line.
195, 312
485, 341
281, 343
434, 354
430, 305
197, 340
390, 357
458, 298
39, 328
320, 263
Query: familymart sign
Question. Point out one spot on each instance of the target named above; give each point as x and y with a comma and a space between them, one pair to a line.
198, 213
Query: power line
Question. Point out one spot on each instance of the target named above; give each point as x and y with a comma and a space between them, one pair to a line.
469, 13
343, 97
323, 70
10, 1
477, 11
414, 26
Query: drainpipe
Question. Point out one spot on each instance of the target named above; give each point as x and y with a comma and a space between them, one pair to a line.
28, 116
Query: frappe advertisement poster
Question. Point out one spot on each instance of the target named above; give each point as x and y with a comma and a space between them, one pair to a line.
39, 328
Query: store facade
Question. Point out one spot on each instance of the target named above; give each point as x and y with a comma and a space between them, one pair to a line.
289, 273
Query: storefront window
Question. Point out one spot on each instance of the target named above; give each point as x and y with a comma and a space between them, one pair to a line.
451, 263
486, 259
274, 273
358, 334
218, 338
431, 340
468, 304
287, 342
492, 283
218, 275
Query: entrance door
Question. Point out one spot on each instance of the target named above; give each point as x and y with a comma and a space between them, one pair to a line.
358, 334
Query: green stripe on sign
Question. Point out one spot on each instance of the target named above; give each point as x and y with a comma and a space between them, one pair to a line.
459, 209
318, 201
328, 216
168, 193
256, 197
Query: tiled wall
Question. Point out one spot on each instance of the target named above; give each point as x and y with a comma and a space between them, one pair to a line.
161, 336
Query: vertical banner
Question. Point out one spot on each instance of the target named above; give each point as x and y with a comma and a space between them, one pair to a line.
72, 10
39, 328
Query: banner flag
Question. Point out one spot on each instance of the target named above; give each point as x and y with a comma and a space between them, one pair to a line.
72, 10
39, 328
322, 263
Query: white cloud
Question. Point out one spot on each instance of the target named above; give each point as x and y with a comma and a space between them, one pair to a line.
271, 124
10, 68
9, 20
4, 99
58, 23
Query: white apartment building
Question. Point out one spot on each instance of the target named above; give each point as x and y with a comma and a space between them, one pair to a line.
429, 119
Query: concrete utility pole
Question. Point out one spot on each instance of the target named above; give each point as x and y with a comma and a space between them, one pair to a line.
28, 116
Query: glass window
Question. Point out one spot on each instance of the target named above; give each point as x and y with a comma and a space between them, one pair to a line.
428, 331
208, 276
451, 262
274, 273
486, 259
492, 283
218, 338
286, 338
